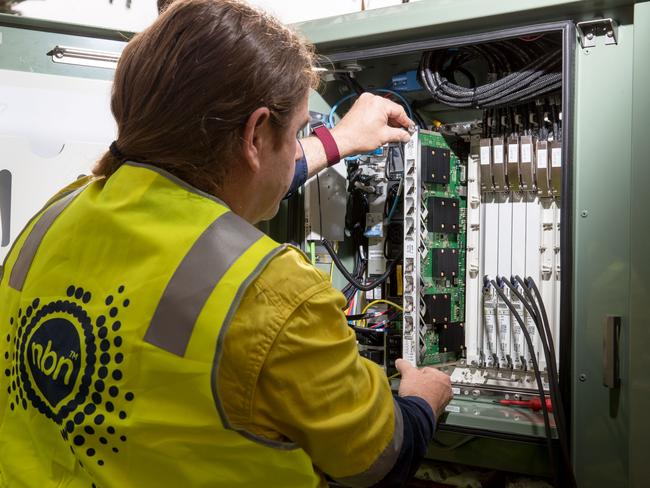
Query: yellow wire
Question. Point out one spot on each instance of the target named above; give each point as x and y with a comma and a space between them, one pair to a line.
393, 376
388, 302
375, 302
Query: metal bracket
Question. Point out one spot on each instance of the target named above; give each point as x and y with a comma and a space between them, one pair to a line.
590, 29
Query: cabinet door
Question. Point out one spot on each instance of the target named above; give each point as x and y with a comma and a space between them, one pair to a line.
601, 415
639, 445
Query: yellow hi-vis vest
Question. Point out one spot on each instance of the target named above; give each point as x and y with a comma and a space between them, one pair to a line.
115, 301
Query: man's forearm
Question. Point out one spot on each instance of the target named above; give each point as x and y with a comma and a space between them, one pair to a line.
314, 156
371, 122
315, 152
313, 161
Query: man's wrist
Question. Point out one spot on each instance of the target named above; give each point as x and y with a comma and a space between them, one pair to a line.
342, 142
332, 153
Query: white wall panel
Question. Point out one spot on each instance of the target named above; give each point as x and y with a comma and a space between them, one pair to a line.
52, 129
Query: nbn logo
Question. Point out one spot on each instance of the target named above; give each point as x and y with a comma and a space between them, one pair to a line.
54, 358
50, 363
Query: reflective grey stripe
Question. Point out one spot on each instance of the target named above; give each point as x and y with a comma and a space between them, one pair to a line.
386, 460
33, 240
227, 238
219, 351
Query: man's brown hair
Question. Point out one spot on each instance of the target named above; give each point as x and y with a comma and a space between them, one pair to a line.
185, 87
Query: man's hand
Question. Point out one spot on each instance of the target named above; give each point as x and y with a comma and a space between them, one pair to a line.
427, 383
371, 122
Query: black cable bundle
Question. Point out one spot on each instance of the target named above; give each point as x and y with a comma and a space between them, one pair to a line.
356, 209
519, 71
537, 311
353, 280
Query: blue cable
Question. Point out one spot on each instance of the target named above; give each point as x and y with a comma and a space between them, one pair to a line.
378, 90
396, 201
336, 105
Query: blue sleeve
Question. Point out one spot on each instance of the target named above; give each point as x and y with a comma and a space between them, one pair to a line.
299, 175
419, 427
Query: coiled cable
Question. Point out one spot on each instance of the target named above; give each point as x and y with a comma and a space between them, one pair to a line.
517, 72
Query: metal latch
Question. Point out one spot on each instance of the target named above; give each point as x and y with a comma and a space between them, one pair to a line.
84, 57
590, 29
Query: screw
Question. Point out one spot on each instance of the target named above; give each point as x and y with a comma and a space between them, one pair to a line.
590, 36
610, 33
582, 377
584, 214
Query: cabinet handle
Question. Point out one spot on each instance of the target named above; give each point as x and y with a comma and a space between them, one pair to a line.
5, 207
611, 340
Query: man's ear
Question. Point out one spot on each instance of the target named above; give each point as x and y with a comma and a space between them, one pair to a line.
255, 137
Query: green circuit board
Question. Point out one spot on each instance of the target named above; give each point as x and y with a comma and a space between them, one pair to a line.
432, 353
453, 286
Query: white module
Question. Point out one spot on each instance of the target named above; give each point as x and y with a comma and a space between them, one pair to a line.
412, 325
513, 229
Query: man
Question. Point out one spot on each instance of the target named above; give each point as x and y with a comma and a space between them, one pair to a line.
151, 335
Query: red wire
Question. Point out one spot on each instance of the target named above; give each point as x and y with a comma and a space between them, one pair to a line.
347, 312
384, 322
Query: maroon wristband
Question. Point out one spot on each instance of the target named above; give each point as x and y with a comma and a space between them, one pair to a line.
329, 144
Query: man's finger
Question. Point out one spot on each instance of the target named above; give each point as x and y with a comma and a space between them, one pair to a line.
397, 116
396, 135
403, 366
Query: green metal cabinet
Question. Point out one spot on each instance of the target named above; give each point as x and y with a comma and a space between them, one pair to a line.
611, 216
